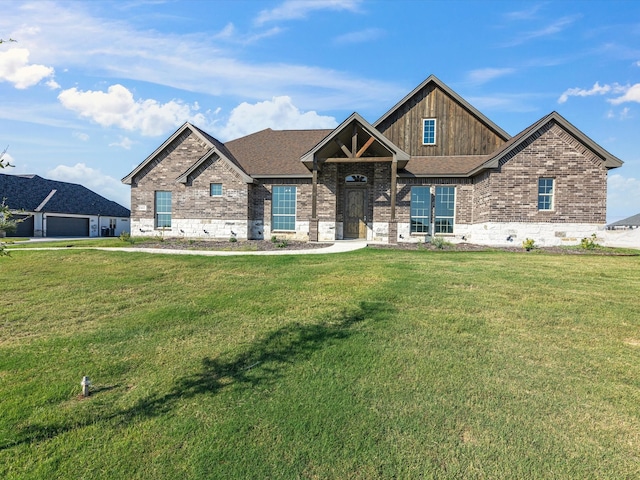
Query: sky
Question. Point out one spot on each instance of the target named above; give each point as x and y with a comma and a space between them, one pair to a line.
89, 89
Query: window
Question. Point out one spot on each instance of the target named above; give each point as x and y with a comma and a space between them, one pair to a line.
429, 131
283, 208
445, 209
355, 179
215, 189
163, 209
545, 194
420, 209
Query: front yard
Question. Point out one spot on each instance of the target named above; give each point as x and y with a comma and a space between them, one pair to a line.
371, 364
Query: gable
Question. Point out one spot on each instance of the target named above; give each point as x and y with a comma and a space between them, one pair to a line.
181, 155
352, 141
460, 129
556, 125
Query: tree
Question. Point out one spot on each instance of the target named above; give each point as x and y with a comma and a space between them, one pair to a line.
5, 213
3, 162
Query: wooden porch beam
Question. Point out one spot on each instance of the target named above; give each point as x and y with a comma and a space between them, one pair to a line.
364, 147
314, 190
344, 148
394, 187
358, 160
354, 139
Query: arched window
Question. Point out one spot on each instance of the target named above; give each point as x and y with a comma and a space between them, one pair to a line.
355, 178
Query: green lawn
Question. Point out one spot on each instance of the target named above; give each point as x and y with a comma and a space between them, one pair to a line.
372, 364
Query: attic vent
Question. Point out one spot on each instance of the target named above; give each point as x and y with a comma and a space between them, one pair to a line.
355, 179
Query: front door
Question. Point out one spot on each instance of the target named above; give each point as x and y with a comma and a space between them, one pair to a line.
354, 214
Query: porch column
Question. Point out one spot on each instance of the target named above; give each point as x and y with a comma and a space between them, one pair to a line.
313, 221
394, 186
393, 224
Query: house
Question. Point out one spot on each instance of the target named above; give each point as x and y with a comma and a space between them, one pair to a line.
432, 165
624, 233
50, 208
628, 223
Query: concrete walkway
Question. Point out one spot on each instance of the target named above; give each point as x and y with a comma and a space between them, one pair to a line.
338, 247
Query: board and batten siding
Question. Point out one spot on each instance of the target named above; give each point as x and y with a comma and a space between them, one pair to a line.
458, 132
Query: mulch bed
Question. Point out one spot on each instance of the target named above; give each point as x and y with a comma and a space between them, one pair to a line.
265, 245
240, 245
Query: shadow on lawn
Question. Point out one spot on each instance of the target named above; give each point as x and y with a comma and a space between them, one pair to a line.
262, 363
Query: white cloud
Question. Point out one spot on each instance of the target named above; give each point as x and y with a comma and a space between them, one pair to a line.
124, 142
597, 89
484, 75
15, 68
279, 113
297, 9
623, 195
550, 30
528, 14
360, 36
632, 94
81, 136
53, 85
196, 62
118, 108
109, 187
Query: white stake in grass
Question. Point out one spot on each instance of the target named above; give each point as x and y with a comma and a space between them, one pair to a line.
86, 383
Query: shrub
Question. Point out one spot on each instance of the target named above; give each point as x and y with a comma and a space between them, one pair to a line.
283, 244
440, 243
126, 237
274, 239
233, 239
529, 244
7, 224
589, 243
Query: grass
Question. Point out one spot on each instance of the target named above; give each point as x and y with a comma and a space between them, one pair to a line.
372, 364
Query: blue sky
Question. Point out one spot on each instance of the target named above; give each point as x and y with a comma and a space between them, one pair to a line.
90, 89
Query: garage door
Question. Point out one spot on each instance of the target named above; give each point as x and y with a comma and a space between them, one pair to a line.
67, 227
24, 228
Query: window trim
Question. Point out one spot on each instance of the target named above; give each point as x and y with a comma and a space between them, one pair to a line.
280, 215
157, 212
424, 125
547, 197
211, 194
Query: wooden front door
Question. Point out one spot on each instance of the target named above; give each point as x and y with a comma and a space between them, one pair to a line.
354, 213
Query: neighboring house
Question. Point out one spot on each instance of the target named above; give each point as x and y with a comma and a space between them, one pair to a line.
50, 208
432, 165
626, 223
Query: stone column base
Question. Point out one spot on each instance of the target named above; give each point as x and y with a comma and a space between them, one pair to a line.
313, 229
393, 232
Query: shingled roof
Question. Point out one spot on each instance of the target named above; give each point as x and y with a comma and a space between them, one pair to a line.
443, 166
33, 193
632, 221
275, 153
